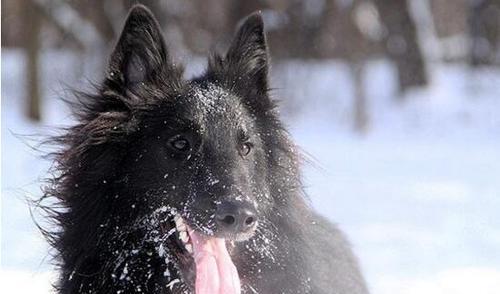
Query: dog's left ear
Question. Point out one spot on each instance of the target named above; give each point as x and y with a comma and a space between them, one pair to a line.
245, 65
140, 55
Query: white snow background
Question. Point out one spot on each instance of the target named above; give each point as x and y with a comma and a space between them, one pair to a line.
418, 195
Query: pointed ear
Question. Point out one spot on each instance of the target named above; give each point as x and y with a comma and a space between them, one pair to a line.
140, 56
246, 62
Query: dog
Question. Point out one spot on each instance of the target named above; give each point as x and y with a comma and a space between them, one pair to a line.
168, 185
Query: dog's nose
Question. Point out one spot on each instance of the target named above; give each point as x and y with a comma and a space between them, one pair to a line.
235, 217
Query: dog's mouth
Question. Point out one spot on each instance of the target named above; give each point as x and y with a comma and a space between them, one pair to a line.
204, 260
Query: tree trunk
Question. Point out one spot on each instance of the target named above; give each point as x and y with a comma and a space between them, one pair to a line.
401, 43
360, 107
32, 22
484, 23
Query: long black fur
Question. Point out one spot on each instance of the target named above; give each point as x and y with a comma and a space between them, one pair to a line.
116, 182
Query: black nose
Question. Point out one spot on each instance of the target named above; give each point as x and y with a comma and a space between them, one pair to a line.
235, 216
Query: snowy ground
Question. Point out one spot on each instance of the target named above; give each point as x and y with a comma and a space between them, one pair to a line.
418, 196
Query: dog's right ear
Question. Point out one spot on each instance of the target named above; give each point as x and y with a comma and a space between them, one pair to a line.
138, 66
140, 56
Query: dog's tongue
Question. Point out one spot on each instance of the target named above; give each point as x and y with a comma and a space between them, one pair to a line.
215, 271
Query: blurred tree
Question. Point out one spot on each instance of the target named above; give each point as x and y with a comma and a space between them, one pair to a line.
344, 35
450, 17
484, 32
32, 23
361, 117
401, 43
96, 13
352, 30
12, 28
450, 23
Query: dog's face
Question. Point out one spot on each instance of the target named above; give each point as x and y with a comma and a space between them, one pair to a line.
197, 147
197, 151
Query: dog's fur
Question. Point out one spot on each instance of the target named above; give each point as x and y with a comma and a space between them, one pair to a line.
118, 180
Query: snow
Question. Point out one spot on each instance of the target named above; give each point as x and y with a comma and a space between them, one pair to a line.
464, 280
23, 281
418, 195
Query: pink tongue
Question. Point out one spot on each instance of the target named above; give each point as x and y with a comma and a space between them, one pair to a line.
215, 271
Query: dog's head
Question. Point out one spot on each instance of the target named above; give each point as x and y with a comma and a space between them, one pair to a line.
197, 145
206, 155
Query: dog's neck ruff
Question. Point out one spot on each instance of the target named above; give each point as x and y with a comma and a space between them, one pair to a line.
215, 271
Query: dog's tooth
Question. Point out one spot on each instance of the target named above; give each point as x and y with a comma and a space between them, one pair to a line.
189, 248
184, 237
180, 225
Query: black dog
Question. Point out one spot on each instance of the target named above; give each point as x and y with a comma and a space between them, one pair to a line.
168, 185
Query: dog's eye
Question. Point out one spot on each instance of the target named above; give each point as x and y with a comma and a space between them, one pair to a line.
246, 148
180, 144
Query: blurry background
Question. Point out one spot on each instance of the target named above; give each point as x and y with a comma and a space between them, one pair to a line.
397, 103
